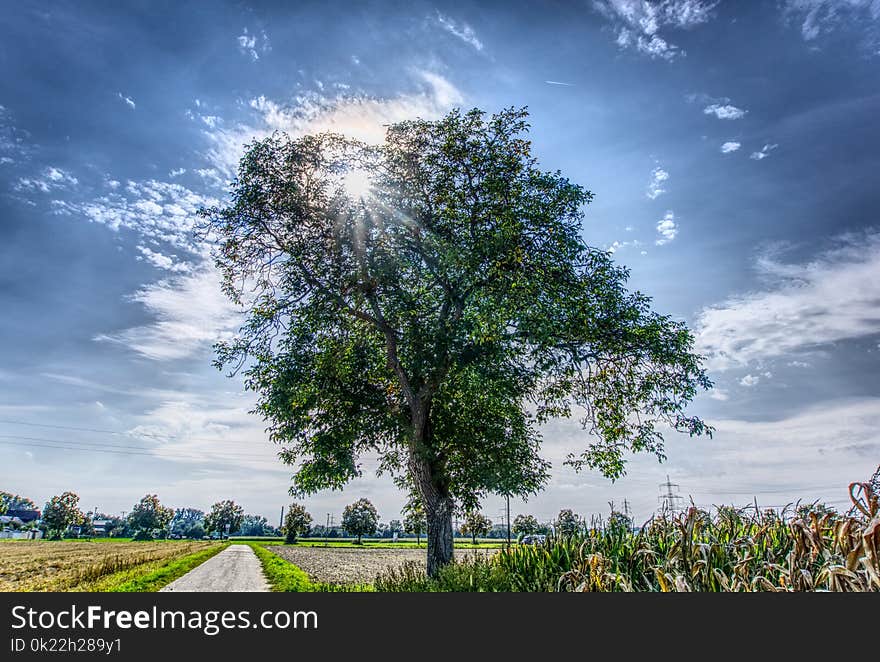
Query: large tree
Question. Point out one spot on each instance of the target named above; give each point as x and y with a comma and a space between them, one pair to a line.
439, 318
61, 512
225, 516
149, 514
360, 518
296, 522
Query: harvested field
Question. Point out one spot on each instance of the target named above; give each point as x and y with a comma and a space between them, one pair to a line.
338, 565
76, 566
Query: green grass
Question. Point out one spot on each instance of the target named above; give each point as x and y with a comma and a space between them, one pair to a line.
285, 577
151, 577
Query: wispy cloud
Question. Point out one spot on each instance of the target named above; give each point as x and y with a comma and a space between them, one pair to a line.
462, 31
829, 299
750, 380
725, 112
763, 153
638, 22
655, 186
50, 179
667, 228
357, 116
557, 82
730, 146
823, 16
254, 45
127, 100
190, 311
13, 141
157, 210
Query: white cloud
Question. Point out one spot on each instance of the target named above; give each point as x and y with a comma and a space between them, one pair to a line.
832, 298
191, 313
750, 380
177, 172
161, 261
127, 100
50, 179
252, 45
13, 141
725, 112
619, 245
667, 228
730, 146
764, 153
638, 22
360, 117
820, 16
462, 31
156, 210
719, 394
655, 186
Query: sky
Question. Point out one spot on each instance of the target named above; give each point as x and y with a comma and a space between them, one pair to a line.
733, 150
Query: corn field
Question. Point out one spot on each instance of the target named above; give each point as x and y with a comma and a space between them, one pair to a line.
735, 550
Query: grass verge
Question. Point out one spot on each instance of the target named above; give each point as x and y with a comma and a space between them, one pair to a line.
283, 576
151, 577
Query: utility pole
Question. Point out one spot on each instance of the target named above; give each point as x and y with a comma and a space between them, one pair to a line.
669, 500
281, 521
508, 520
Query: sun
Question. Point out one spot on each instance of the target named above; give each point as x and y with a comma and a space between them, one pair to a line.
357, 183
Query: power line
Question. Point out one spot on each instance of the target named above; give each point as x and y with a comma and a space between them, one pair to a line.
118, 450
128, 433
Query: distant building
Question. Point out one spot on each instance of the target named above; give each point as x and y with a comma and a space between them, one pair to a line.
26, 516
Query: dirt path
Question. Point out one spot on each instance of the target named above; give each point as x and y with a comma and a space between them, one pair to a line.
236, 569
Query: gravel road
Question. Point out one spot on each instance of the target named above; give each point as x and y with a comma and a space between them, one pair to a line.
236, 569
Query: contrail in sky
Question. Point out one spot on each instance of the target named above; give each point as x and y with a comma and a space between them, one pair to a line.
556, 82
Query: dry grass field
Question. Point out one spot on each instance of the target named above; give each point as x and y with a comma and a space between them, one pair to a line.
80, 566
340, 565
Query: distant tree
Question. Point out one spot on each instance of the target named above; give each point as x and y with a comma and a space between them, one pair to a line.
296, 522
9, 501
253, 525
567, 523
61, 512
224, 514
619, 521
114, 526
185, 520
360, 518
475, 524
525, 525
148, 516
817, 507
414, 520
394, 526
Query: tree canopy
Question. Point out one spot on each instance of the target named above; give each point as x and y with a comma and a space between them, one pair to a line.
439, 319
225, 516
360, 518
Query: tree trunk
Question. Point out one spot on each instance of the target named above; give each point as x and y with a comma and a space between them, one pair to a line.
433, 488
439, 516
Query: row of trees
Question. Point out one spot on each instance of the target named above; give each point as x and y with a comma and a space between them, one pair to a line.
148, 519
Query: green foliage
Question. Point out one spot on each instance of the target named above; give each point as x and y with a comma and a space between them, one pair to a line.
360, 518
414, 520
225, 517
61, 512
736, 550
147, 516
188, 523
440, 320
525, 524
475, 524
296, 522
567, 523
9, 501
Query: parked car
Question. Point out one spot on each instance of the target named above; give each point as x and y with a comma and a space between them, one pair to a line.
533, 539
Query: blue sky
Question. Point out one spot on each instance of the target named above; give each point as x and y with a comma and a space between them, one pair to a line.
732, 148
